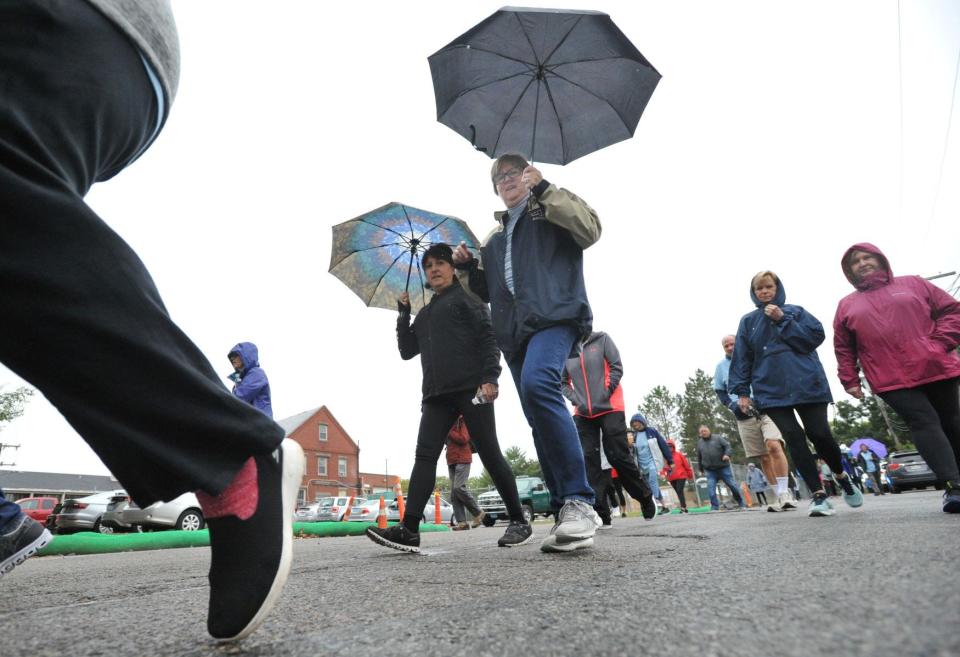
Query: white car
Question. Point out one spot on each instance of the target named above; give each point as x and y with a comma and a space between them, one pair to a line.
429, 511
182, 513
364, 510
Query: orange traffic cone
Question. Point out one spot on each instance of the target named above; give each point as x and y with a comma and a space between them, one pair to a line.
437, 520
401, 506
382, 515
346, 514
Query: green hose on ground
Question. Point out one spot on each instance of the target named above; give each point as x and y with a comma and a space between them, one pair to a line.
94, 543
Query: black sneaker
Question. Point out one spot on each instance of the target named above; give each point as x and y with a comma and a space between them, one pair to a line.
951, 498
518, 533
397, 537
648, 507
19, 540
250, 559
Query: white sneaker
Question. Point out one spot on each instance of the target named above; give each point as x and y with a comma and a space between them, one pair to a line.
786, 501
576, 521
549, 544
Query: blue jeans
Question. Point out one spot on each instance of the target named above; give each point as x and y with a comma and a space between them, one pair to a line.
649, 471
726, 475
536, 373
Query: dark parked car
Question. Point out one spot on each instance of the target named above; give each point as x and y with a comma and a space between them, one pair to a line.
907, 470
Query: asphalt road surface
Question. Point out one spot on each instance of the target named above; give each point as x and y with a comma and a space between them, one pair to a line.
876, 581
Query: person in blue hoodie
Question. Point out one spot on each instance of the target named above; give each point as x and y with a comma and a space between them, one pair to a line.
642, 434
250, 381
775, 355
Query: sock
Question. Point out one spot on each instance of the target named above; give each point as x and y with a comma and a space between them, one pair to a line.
238, 499
782, 485
411, 522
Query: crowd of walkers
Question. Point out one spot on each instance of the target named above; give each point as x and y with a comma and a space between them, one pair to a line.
86, 321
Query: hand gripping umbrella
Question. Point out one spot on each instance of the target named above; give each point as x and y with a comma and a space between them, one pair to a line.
377, 254
550, 84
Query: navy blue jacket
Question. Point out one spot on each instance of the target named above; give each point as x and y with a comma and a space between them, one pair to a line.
253, 386
778, 360
639, 447
548, 243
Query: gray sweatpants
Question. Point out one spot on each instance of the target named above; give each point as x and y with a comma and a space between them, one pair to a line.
460, 497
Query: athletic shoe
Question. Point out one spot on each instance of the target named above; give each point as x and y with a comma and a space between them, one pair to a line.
663, 510
576, 521
550, 544
951, 498
607, 524
684, 510
854, 498
396, 536
787, 503
775, 507
250, 559
648, 507
460, 526
820, 507
518, 533
478, 520
20, 539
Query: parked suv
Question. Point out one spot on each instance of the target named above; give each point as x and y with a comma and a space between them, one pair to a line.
534, 498
38, 508
907, 470
85, 513
179, 513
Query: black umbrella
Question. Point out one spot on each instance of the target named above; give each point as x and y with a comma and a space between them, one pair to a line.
550, 84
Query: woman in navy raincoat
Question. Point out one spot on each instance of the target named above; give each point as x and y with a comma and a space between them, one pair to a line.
776, 355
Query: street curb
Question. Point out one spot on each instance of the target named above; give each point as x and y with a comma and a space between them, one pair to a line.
95, 543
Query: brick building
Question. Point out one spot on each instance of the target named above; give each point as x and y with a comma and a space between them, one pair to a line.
333, 457
374, 484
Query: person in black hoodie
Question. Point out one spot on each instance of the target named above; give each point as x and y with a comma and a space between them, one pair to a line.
461, 366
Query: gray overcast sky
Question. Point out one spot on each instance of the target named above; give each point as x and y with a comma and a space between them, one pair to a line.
773, 141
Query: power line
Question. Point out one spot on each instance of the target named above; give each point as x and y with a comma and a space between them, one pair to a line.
946, 144
900, 73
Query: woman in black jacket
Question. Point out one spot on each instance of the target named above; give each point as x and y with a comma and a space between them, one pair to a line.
461, 365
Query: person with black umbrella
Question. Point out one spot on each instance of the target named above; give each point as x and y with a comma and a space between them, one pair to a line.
530, 270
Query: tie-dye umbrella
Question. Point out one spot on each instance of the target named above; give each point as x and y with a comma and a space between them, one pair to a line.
377, 255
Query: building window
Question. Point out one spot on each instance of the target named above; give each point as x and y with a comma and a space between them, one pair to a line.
323, 433
301, 496
322, 466
342, 468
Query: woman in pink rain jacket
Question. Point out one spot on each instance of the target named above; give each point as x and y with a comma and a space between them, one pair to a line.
903, 332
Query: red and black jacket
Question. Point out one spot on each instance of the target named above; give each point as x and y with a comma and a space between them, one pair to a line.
591, 381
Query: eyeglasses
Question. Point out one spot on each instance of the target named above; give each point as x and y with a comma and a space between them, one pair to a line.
506, 175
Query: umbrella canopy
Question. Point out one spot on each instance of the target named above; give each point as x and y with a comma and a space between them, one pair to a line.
875, 445
377, 255
550, 84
